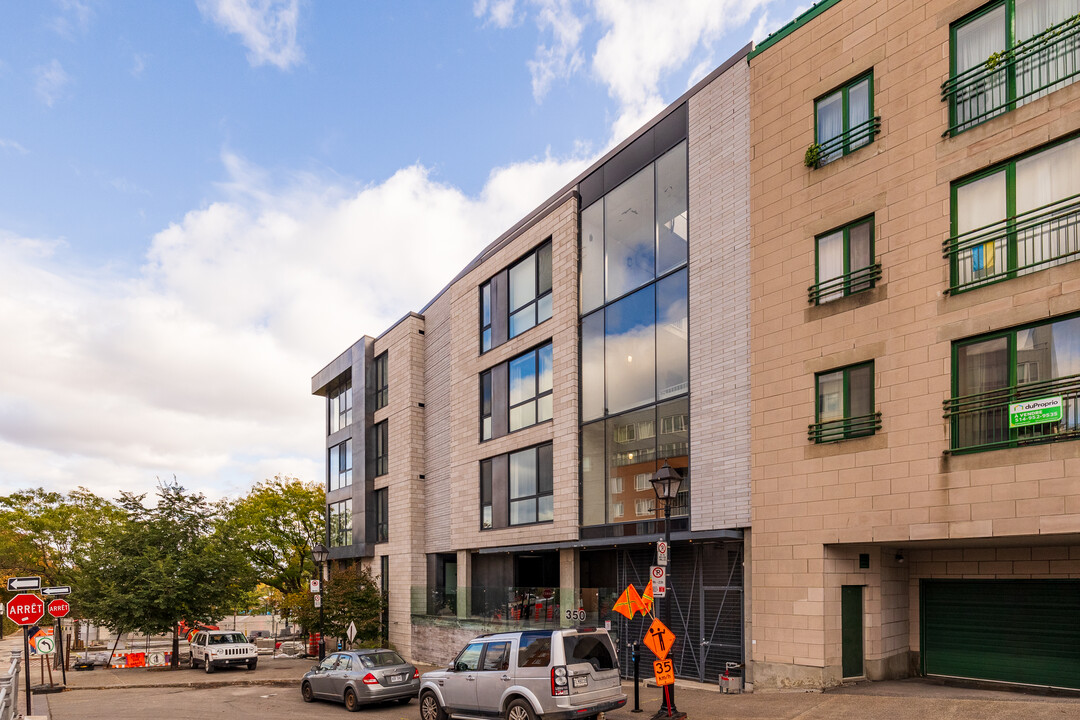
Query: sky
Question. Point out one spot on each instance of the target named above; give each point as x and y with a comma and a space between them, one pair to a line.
203, 202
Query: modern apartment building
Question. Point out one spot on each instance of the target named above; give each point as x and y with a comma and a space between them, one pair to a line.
490, 458
915, 214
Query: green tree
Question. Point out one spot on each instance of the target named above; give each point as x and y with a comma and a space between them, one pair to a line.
159, 565
276, 524
349, 596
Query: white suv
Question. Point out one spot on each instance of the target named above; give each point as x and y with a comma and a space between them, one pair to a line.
549, 674
213, 649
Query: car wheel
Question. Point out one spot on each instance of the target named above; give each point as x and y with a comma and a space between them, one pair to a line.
429, 707
192, 662
207, 666
520, 710
305, 692
351, 703
252, 664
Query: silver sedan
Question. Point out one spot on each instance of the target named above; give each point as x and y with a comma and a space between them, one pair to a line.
361, 677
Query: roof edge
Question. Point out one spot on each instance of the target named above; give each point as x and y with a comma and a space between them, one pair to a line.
791, 27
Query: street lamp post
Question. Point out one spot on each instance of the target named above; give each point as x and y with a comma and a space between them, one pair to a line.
319, 554
666, 484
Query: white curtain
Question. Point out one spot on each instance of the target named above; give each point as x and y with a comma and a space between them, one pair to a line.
859, 251
859, 112
976, 41
1042, 179
980, 204
830, 249
1042, 68
830, 124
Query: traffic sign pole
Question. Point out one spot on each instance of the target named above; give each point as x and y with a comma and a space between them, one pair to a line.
26, 654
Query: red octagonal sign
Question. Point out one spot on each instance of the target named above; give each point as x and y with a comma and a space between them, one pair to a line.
25, 609
59, 608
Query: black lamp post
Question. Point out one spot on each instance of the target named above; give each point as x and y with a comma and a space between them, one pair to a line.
319, 554
666, 483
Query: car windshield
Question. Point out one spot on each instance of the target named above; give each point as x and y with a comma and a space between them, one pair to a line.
593, 649
381, 659
226, 639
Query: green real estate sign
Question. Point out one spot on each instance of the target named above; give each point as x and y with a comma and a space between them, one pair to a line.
1035, 412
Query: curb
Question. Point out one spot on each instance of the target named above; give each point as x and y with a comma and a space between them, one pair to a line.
191, 685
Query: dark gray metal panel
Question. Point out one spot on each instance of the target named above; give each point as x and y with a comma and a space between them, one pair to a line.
670, 131
637, 155
500, 491
591, 188
500, 308
500, 400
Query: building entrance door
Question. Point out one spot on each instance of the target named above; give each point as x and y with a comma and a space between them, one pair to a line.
851, 630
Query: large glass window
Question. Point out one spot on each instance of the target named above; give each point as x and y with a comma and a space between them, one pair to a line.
844, 119
382, 388
486, 509
485, 405
340, 407
339, 521
630, 234
382, 514
340, 466
531, 499
485, 317
994, 373
1016, 218
845, 404
531, 388
845, 262
382, 441
530, 290
1010, 53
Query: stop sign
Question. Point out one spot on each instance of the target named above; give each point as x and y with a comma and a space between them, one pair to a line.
59, 608
25, 609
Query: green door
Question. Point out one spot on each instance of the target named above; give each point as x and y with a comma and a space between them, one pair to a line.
851, 627
1021, 631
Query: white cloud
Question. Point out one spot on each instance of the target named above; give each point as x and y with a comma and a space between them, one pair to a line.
138, 64
74, 18
50, 82
563, 57
267, 28
500, 13
200, 365
10, 146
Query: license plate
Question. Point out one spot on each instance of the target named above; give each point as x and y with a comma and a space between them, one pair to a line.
397, 678
581, 681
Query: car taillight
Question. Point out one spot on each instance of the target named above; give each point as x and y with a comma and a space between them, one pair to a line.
415, 674
559, 684
369, 679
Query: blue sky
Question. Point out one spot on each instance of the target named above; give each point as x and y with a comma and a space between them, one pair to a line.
187, 186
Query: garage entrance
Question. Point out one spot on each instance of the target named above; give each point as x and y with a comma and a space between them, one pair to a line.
1021, 631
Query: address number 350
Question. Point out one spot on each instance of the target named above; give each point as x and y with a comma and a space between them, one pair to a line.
575, 614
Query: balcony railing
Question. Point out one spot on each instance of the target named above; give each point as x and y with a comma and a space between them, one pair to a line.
981, 421
1034, 240
847, 284
1030, 69
852, 427
846, 142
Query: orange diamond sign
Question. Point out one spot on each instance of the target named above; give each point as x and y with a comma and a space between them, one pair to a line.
659, 639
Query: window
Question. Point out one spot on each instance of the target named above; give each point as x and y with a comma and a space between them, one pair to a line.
469, 659
340, 523
616, 485
991, 372
534, 650
382, 515
381, 448
530, 290
485, 317
531, 499
642, 481
340, 406
530, 388
845, 262
1007, 54
485, 495
644, 507
382, 391
496, 656
485, 405
845, 404
340, 466
1016, 218
616, 510
844, 120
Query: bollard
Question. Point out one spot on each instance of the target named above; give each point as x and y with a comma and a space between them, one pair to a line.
637, 678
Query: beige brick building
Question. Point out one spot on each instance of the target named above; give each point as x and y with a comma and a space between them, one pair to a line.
901, 526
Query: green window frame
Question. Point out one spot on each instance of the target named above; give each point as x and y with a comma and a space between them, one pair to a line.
844, 404
844, 262
853, 131
382, 387
1008, 64
1045, 233
1026, 359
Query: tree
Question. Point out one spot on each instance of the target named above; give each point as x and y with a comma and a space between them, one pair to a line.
276, 524
175, 561
349, 596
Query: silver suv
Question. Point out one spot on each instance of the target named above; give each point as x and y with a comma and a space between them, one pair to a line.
549, 674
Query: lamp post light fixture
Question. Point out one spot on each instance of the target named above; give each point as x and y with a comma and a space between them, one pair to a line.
666, 483
319, 554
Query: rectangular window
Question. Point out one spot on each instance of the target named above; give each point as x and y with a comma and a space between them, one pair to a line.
645, 507
616, 511
340, 466
1016, 218
531, 499
844, 120
992, 372
616, 486
531, 399
485, 317
845, 404
530, 290
382, 389
382, 515
485, 495
1009, 53
381, 448
485, 405
845, 262
339, 520
340, 407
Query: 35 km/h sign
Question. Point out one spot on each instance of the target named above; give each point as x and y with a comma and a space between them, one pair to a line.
25, 609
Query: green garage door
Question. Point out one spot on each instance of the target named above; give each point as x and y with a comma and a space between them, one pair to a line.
1023, 631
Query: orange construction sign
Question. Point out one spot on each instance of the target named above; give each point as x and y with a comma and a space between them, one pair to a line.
659, 639
647, 599
629, 603
664, 671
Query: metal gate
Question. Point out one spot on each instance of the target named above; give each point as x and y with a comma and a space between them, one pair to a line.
705, 595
